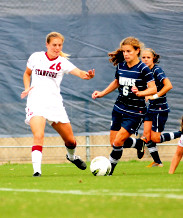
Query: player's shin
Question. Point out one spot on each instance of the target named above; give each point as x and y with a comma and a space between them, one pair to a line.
153, 150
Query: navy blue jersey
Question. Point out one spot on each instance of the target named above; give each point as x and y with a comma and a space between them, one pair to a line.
138, 75
160, 104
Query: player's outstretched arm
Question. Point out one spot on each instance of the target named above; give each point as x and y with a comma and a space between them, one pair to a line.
112, 86
83, 74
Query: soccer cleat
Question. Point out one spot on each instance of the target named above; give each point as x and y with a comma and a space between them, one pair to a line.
140, 150
113, 165
78, 162
36, 174
154, 164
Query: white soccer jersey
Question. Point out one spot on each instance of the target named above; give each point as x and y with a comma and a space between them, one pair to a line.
45, 98
180, 143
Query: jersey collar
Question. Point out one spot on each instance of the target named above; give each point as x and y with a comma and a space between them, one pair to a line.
50, 58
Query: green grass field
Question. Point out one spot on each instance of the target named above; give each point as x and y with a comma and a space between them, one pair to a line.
65, 191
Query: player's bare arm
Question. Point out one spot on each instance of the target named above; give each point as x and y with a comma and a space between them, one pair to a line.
83, 74
151, 90
26, 80
167, 87
112, 86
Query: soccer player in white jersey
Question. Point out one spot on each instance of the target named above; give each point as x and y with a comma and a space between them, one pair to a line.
42, 79
178, 154
134, 81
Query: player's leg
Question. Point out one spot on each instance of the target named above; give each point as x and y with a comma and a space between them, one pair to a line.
122, 128
158, 125
138, 143
153, 150
37, 124
117, 150
172, 135
178, 154
143, 140
113, 134
147, 130
176, 159
65, 131
168, 136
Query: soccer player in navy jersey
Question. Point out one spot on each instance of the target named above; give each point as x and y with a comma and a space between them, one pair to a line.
134, 81
158, 109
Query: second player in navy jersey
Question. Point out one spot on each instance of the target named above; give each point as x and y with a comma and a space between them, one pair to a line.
155, 119
134, 81
157, 114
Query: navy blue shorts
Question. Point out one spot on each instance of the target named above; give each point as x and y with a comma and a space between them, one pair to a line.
158, 121
131, 124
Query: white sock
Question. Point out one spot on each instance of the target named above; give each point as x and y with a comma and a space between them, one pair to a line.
134, 142
112, 160
36, 161
70, 153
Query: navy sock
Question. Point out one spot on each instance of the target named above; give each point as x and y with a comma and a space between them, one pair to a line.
115, 156
128, 143
169, 136
116, 153
153, 151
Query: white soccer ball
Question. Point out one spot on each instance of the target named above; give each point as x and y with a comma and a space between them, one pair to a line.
100, 166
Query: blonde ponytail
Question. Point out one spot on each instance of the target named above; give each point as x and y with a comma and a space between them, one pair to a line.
65, 55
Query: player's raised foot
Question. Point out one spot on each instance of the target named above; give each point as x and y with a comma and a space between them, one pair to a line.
154, 164
36, 174
140, 148
78, 162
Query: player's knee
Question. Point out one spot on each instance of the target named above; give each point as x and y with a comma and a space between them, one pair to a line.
118, 143
39, 137
71, 144
111, 142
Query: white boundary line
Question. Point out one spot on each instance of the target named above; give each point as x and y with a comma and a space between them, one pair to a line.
100, 192
161, 190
